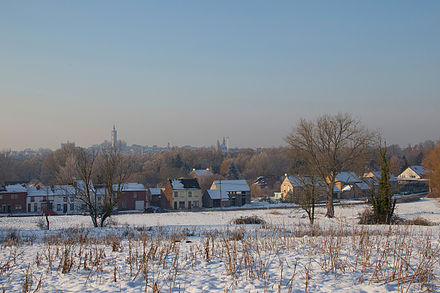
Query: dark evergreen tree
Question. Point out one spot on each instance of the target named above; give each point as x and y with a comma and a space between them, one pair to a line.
232, 172
383, 203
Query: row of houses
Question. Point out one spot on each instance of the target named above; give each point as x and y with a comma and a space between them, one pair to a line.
185, 193
348, 185
64, 199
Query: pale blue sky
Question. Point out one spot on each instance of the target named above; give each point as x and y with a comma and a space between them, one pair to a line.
190, 72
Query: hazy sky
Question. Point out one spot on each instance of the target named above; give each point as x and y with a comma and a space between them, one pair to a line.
190, 72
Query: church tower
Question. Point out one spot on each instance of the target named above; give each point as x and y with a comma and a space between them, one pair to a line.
114, 137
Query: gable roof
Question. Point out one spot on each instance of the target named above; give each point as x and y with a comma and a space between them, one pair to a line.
378, 175
300, 181
215, 194
419, 170
184, 184
348, 177
15, 188
232, 185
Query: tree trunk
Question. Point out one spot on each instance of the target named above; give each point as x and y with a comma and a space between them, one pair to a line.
47, 220
330, 207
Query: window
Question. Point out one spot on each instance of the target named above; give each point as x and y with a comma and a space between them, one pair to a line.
32, 199
176, 194
35, 207
72, 206
195, 203
14, 196
65, 199
1, 196
181, 204
18, 206
189, 193
124, 204
134, 195
59, 207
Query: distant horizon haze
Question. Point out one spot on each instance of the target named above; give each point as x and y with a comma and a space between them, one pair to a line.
192, 72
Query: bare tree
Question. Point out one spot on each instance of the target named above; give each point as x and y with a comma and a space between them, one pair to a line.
432, 163
114, 169
84, 170
329, 145
99, 179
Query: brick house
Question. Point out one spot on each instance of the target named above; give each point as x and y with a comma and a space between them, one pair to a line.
13, 199
133, 196
183, 194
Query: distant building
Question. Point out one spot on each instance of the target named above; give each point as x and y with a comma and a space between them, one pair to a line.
13, 199
238, 191
156, 197
183, 194
373, 179
414, 180
114, 137
414, 173
133, 196
294, 187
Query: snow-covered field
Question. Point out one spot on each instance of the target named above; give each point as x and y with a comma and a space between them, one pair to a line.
205, 252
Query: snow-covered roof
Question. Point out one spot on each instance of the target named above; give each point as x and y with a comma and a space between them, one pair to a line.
202, 172
63, 190
39, 191
347, 177
420, 170
362, 186
215, 194
300, 181
296, 181
156, 191
130, 187
180, 184
15, 188
232, 185
378, 175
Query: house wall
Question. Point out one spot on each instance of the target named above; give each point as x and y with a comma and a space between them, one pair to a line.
187, 199
127, 199
409, 174
286, 186
13, 202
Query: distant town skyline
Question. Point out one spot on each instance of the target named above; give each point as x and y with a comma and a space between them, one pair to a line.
191, 72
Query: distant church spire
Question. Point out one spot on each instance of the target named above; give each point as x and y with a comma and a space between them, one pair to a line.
114, 137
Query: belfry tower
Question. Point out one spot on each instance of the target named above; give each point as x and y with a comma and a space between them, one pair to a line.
114, 137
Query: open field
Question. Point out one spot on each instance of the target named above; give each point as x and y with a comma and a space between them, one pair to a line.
205, 252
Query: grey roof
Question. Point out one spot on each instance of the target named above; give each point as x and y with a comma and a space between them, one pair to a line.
156, 191
202, 172
348, 177
420, 170
215, 194
232, 185
15, 188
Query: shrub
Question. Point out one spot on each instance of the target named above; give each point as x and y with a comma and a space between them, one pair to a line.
419, 221
246, 220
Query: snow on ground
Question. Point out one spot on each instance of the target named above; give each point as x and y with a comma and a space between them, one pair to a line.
204, 252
